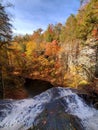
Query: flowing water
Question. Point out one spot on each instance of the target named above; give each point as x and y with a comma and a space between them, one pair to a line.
21, 114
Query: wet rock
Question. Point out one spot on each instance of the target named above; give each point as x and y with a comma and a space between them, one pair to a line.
55, 109
96, 105
90, 94
54, 117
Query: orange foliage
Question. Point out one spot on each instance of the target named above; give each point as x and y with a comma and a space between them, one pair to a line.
95, 32
52, 48
50, 29
57, 65
23, 54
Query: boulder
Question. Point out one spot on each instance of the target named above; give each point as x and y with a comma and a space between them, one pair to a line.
54, 117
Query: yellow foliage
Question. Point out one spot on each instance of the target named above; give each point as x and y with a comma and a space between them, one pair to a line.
76, 80
83, 82
52, 62
15, 45
72, 80
43, 61
42, 46
74, 69
30, 47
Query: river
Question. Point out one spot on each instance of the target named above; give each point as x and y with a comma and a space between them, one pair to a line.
23, 114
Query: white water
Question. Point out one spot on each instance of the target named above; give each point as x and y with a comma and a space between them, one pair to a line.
20, 115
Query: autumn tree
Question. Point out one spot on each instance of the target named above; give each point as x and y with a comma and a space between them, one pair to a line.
57, 31
68, 32
49, 33
5, 37
87, 19
52, 48
70, 28
37, 36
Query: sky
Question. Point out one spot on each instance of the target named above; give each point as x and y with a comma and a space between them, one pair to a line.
29, 15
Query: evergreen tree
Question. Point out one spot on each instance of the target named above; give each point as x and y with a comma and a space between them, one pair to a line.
5, 37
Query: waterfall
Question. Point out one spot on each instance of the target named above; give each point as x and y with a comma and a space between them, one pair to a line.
21, 114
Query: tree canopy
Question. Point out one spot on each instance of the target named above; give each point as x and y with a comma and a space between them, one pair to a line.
5, 25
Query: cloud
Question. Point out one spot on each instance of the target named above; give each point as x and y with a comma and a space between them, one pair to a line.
32, 14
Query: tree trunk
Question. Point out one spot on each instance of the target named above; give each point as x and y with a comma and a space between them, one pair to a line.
1, 84
96, 66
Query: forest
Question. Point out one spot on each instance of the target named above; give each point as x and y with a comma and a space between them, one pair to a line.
58, 55
49, 79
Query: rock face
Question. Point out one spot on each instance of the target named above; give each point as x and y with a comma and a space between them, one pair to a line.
36, 86
87, 59
81, 59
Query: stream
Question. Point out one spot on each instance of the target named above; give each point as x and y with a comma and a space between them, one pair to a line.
55, 109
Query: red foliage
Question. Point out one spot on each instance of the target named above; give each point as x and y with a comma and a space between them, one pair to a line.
52, 48
57, 65
95, 32
50, 28
23, 54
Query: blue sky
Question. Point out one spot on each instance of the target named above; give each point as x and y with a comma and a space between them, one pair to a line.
29, 15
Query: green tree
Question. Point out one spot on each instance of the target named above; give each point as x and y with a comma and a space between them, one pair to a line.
87, 20
57, 31
68, 32
49, 33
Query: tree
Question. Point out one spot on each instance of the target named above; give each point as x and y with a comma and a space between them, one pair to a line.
5, 37
87, 20
49, 33
68, 31
82, 2
52, 48
70, 28
5, 26
57, 31
37, 37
